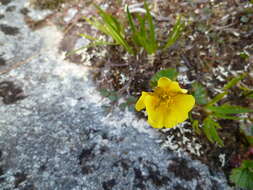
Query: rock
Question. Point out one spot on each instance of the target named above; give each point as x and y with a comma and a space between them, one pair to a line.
56, 135
70, 14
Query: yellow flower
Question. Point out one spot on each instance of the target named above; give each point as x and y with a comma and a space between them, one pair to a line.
167, 106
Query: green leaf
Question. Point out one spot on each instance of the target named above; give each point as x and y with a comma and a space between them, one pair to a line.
228, 109
195, 125
244, 55
249, 94
123, 106
243, 176
131, 21
143, 34
175, 33
152, 37
200, 94
234, 81
112, 95
250, 140
170, 73
217, 98
111, 27
104, 92
209, 128
131, 100
223, 116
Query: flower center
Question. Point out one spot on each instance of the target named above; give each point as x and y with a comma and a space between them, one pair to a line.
164, 96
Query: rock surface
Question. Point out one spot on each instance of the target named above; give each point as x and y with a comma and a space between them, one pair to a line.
55, 135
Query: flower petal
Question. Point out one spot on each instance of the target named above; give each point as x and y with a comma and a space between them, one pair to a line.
178, 111
140, 103
174, 87
174, 117
164, 82
156, 111
183, 102
170, 86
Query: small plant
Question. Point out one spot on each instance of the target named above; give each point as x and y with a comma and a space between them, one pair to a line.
168, 104
243, 175
214, 112
142, 31
144, 34
110, 26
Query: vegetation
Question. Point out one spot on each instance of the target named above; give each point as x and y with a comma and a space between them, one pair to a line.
138, 32
142, 33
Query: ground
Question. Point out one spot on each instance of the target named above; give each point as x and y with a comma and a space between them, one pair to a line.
215, 46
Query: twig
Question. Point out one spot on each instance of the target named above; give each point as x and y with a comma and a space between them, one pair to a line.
117, 65
18, 64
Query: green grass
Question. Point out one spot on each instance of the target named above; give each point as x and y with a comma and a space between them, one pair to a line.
142, 34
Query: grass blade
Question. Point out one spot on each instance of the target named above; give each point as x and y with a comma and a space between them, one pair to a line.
217, 98
152, 37
175, 33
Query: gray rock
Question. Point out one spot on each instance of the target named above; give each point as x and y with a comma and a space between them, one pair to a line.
55, 135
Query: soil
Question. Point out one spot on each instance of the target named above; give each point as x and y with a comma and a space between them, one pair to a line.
216, 46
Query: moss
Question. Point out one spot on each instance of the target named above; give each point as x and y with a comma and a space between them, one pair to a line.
48, 4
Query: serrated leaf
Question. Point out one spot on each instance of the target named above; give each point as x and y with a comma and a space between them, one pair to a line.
209, 128
170, 73
200, 93
243, 176
228, 109
234, 81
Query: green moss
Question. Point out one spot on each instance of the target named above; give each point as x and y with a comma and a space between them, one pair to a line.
48, 4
